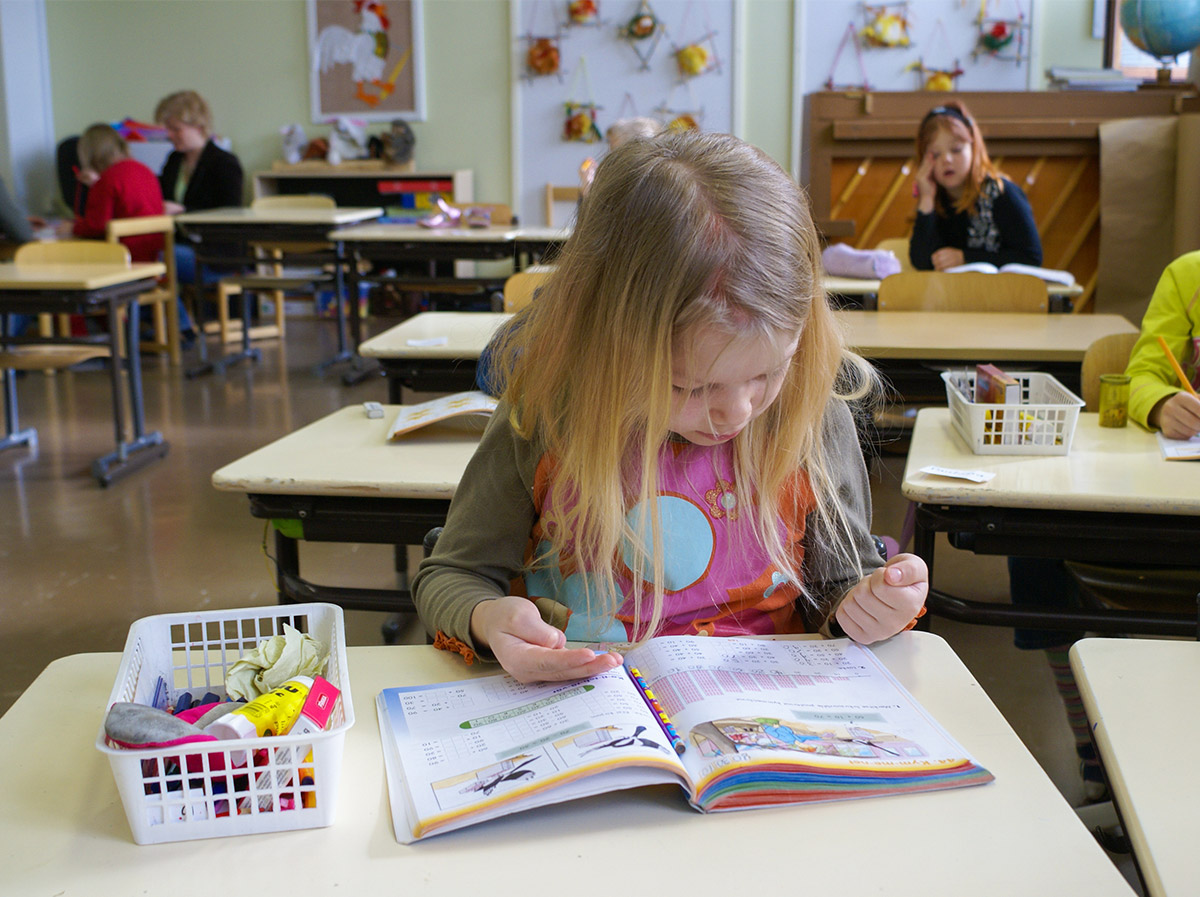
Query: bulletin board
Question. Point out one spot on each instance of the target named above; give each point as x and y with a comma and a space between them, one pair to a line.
605, 70
920, 44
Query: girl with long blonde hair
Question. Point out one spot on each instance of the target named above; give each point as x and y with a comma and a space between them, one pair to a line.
674, 452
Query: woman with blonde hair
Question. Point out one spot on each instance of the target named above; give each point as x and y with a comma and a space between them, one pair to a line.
674, 452
967, 211
198, 174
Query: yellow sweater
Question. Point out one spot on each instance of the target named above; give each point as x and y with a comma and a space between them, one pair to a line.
1174, 313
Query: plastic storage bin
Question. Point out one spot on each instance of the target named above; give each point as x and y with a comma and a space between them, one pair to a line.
1043, 424
194, 791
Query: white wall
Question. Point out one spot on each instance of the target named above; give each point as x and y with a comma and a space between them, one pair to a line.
26, 121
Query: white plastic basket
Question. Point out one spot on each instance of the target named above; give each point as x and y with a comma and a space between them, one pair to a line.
194, 790
1043, 424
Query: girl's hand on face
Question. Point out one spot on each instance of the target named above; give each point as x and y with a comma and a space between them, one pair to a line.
925, 184
886, 601
1179, 416
947, 257
530, 649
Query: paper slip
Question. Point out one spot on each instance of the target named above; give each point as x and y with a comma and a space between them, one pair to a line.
427, 342
975, 476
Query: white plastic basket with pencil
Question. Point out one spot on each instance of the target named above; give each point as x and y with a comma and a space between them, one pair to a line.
198, 790
1042, 424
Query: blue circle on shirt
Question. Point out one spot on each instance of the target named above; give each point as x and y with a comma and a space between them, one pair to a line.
687, 538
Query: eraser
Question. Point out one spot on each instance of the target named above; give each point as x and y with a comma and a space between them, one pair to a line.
373, 409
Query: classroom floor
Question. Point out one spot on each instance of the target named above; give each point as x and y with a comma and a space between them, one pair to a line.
78, 563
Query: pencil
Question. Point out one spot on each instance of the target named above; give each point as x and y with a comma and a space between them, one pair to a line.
1175, 364
664, 721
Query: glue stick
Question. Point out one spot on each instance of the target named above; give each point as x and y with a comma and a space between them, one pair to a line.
269, 714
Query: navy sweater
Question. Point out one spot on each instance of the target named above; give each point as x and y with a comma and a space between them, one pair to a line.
999, 229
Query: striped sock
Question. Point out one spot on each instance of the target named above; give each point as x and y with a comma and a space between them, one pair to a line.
1064, 681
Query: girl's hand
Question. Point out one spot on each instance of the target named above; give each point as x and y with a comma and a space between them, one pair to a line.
530, 649
925, 184
947, 257
1178, 416
885, 602
172, 208
87, 176
64, 229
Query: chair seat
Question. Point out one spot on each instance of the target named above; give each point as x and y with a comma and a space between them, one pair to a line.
1158, 589
269, 282
48, 358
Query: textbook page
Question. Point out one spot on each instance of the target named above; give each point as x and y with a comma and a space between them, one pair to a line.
1179, 449
828, 704
1053, 275
470, 750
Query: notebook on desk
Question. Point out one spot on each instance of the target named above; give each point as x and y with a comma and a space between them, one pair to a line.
1179, 449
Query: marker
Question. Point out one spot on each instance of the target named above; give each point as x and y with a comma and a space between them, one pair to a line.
665, 721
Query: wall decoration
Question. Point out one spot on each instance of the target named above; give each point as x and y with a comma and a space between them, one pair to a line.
366, 59
689, 117
580, 122
643, 32
886, 25
936, 79
583, 12
849, 37
1001, 38
543, 56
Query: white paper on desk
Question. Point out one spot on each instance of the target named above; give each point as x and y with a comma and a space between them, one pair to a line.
974, 476
1179, 449
428, 342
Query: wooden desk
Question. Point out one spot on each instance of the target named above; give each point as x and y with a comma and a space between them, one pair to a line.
63, 827
901, 342
860, 287
225, 236
1125, 684
340, 480
1111, 500
65, 289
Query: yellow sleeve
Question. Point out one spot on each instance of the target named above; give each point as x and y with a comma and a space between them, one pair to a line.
1174, 314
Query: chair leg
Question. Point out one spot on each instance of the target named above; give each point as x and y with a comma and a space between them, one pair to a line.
224, 292
174, 350
277, 297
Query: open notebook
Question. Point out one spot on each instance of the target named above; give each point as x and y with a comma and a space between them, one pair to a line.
413, 417
1179, 449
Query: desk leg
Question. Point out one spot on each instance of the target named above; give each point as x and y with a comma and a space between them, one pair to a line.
246, 353
339, 286
292, 588
144, 447
13, 434
360, 368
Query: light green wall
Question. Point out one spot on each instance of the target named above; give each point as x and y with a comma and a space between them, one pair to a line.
115, 58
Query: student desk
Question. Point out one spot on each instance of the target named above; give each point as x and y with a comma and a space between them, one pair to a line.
83, 288
1138, 698
436, 351
225, 236
339, 480
861, 288
63, 829
1112, 500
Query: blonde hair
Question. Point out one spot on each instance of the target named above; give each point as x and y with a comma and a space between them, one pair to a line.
626, 129
100, 146
685, 231
186, 107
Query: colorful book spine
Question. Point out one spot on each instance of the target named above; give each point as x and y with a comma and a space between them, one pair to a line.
652, 702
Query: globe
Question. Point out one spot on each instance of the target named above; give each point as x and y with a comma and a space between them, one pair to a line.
1162, 27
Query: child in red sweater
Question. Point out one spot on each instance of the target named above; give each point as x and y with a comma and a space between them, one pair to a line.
121, 187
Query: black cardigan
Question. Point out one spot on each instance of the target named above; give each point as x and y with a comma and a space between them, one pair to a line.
215, 182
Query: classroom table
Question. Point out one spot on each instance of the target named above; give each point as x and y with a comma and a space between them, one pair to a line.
1131, 690
225, 237
82, 289
865, 289
340, 480
437, 351
1110, 500
382, 246
64, 831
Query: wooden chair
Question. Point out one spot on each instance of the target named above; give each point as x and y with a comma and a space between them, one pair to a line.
162, 299
559, 194
521, 287
898, 246
269, 277
68, 252
969, 291
1107, 355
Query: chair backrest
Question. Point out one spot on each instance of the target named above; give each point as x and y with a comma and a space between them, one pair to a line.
1107, 355
969, 291
559, 194
295, 201
149, 224
71, 252
520, 287
898, 246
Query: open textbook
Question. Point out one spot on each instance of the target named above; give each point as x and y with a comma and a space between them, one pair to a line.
1179, 449
756, 723
1053, 275
413, 417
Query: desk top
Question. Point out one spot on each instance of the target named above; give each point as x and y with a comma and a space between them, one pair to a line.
414, 233
1138, 738
347, 453
74, 277
1107, 469
235, 215
62, 818
860, 286
944, 336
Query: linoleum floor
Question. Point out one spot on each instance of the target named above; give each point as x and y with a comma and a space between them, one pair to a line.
79, 563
